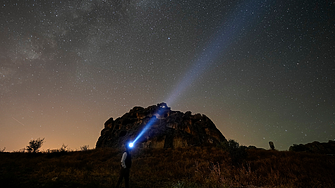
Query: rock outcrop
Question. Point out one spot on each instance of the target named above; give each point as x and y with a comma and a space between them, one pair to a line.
272, 145
315, 147
168, 129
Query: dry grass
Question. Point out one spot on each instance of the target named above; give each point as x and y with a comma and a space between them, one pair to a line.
207, 167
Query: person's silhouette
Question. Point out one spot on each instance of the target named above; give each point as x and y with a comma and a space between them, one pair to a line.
125, 166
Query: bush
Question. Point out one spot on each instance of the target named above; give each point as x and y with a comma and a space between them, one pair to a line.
63, 148
237, 153
84, 148
35, 145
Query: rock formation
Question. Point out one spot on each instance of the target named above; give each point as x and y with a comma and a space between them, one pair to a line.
272, 146
170, 129
315, 147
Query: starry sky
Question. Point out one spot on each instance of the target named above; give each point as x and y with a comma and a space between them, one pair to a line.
261, 70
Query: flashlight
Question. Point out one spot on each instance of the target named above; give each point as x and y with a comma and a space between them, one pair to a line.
131, 144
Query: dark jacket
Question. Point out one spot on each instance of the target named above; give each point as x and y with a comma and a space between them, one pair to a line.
128, 160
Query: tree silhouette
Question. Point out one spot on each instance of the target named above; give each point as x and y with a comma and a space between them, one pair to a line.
34, 145
237, 153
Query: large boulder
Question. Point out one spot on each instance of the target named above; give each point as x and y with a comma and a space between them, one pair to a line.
167, 129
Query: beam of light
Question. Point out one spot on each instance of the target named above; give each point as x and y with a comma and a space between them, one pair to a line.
239, 20
149, 124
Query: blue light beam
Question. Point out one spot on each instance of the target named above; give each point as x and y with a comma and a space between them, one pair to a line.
149, 124
239, 20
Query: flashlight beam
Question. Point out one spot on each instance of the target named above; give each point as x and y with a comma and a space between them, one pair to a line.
234, 25
149, 124
237, 22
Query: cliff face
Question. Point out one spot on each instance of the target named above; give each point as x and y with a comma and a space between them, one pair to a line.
170, 129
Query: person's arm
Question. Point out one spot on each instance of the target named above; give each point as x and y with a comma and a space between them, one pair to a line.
123, 160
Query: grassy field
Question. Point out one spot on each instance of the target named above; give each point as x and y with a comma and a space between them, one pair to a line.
208, 167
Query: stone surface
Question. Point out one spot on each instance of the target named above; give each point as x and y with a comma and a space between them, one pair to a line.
315, 147
272, 146
170, 129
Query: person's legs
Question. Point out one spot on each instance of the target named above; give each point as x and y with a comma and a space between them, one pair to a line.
122, 174
126, 177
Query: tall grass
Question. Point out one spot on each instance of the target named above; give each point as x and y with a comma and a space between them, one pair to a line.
205, 167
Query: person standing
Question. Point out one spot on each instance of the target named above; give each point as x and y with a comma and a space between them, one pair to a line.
125, 166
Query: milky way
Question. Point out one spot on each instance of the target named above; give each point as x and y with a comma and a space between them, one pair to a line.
261, 70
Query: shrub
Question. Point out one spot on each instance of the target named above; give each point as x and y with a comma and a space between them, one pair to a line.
84, 148
63, 148
34, 145
237, 153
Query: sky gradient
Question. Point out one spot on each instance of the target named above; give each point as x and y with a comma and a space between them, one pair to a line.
261, 70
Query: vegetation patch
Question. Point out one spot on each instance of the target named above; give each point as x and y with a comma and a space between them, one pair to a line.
205, 167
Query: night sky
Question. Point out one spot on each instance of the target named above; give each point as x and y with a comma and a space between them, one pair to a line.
261, 70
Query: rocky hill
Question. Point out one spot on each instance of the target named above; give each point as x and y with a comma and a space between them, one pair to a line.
170, 129
315, 147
